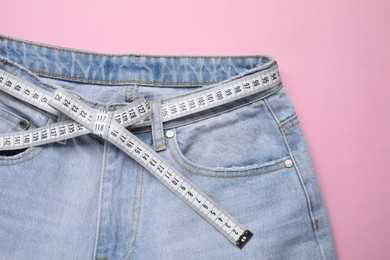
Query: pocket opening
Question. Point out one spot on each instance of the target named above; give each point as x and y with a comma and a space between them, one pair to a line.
243, 142
9, 153
12, 121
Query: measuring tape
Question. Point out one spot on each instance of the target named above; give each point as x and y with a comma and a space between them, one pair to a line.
217, 95
111, 126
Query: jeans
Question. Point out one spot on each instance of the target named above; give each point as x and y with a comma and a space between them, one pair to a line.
83, 198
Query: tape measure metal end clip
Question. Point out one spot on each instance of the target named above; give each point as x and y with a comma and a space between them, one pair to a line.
244, 238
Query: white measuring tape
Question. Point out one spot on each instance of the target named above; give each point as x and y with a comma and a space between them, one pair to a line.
111, 126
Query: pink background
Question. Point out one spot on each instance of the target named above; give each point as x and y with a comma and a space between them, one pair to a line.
334, 60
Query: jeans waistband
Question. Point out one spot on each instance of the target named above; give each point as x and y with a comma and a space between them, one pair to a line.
124, 69
87, 66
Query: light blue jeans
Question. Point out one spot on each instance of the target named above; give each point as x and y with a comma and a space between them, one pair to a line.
83, 198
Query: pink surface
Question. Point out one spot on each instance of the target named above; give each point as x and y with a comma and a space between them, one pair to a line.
334, 61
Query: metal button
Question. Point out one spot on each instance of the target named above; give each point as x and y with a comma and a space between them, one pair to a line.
288, 163
169, 133
24, 124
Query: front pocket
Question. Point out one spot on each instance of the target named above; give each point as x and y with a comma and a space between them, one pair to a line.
10, 123
241, 142
16, 116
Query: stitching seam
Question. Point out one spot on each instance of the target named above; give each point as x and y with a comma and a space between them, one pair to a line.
101, 200
23, 161
8, 119
317, 234
13, 115
308, 200
139, 211
290, 126
248, 168
168, 83
288, 120
229, 176
132, 212
272, 111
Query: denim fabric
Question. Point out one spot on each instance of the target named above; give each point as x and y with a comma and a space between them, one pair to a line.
86, 199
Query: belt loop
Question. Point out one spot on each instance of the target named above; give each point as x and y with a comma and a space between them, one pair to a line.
157, 125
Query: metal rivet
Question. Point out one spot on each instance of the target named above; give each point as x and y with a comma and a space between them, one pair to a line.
169, 133
288, 163
316, 224
24, 124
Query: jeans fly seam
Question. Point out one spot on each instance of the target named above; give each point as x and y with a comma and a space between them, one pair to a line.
139, 212
300, 179
101, 195
132, 211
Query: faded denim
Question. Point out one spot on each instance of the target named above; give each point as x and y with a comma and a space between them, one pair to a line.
86, 199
